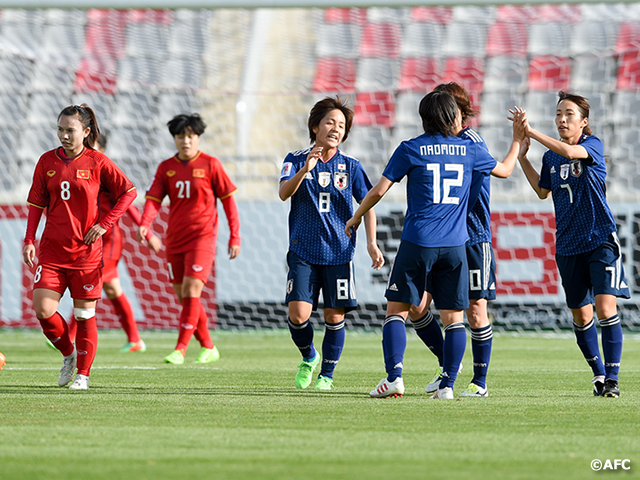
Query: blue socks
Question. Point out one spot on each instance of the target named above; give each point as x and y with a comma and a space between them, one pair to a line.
394, 344
455, 342
430, 333
332, 346
481, 340
587, 339
611, 345
302, 336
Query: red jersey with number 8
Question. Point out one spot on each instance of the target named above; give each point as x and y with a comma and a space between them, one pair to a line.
69, 190
193, 187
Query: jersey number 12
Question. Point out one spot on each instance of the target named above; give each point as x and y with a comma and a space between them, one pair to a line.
447, 183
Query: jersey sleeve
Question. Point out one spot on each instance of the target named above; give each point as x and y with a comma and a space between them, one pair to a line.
398, 165
545, 174
288, 168
484, 160
157, 190
220, 181
39, 194
361, 183
114, 180
595, 149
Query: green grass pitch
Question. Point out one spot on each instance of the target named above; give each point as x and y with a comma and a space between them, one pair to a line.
242, 418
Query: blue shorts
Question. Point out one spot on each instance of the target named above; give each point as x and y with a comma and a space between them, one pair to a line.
305, 280
597, 272
446, 268
482, 271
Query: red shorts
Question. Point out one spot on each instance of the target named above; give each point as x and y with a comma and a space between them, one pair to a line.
196, 264
82, 284
110, 270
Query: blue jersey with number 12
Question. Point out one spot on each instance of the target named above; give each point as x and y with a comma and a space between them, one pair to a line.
322, 205
438, 171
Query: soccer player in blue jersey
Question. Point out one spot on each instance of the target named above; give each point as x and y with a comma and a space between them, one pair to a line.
587, 247
322, 183
439, 166
482, 265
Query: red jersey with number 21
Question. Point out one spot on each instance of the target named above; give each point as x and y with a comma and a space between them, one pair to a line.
69, 190
193, 187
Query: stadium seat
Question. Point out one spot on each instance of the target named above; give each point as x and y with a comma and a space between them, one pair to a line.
183, 71
507, 39
102, 104
422, 40
465, 39
34, 141
335, 75
345, 15
625, 165
338, 40
600, 111
388, 14
549, 73
440, 15
407, 104
377, 74
549, 38
551, 13
105, 33
130, 148
374, 109
474, 14
146, 38
96, 74
134, 109
593, 37
629, 71
53, 77
135, 73
370, 145
190, 33
172, 103
522, 14
505, 74
44, 107
469, 73
590, 72
419, 74
12, 105
15, 73
495, 107
625, 108
381, 40
628, 38
405, 132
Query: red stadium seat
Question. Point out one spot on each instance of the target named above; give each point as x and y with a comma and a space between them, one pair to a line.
419, 74
335, 75
554, 13
549, 73
381, 40
507, 38
375, 109
345, 15
628, 37
629, 71
468, 72
432, 14
516, 13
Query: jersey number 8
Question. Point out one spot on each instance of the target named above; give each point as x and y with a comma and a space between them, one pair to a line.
65, 192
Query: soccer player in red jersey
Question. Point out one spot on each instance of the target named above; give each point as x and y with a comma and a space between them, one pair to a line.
67, 182
111, 254
193, 181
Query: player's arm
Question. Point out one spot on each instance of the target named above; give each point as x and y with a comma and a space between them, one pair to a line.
33, 219
112, 217
233, 218
571, 152
290, 186
531, 173
369, 201
153, 242
503, 169
370, 223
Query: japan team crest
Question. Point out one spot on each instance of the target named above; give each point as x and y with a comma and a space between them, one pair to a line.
324, 179
576, 168
564, 171
341, 180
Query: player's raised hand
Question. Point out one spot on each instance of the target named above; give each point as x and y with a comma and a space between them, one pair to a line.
312, 158
377, 259
29, 254
94, 234
155, 244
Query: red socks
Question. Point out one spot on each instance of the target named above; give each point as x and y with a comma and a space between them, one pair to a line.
189, 319
124, 311
202, 332
55, 328
87, 344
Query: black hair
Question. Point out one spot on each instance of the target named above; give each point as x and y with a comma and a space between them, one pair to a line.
179, 124
102, 141
88, 120
438, 111
322, 108
462, 99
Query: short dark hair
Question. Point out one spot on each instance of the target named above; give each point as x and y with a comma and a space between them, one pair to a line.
582, 104
88, 120
102, 141
179, 124
322, 108
438, 111
462, 99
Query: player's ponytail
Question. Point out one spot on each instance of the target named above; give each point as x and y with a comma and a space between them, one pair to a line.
88, 120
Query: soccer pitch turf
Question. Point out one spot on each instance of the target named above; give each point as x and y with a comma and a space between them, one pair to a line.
242, 417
